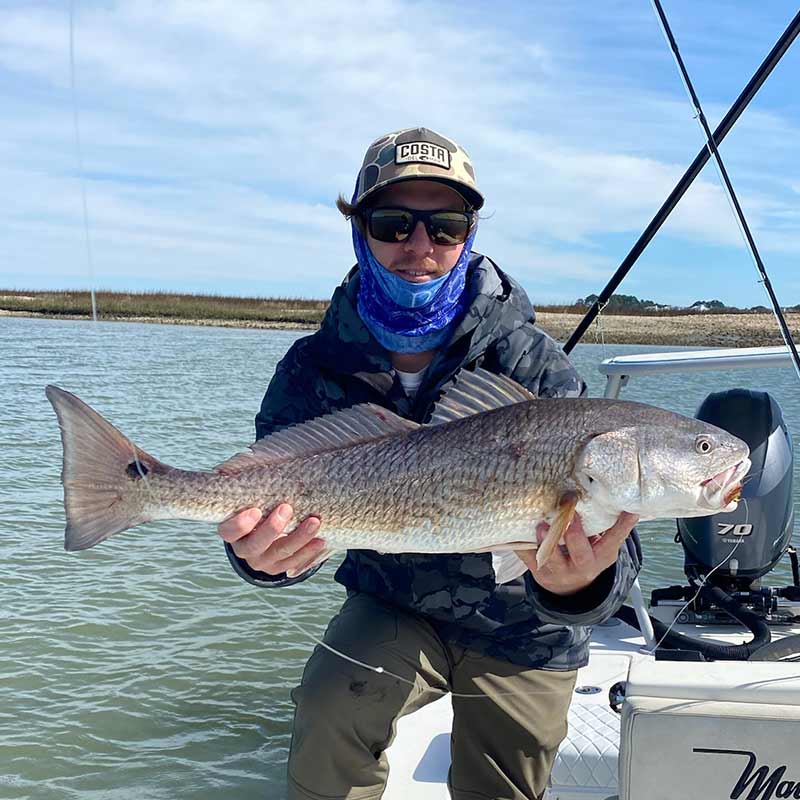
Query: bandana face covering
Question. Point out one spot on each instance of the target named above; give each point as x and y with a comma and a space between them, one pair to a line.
410, 317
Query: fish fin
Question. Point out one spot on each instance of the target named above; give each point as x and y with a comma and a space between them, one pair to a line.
474, 392
100, 466
507, 566
362, 423
566, 511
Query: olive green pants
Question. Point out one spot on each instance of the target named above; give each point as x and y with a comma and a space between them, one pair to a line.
502, 745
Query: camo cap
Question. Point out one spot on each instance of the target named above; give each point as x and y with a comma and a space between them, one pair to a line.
417, 153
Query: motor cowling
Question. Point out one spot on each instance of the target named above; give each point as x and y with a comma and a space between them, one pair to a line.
746, 543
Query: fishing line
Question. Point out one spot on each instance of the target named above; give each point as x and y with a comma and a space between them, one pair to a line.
747, 94
703, 581
733, 200
142, 470
79, 156
601, 307
286, 619
383, 671
379, 670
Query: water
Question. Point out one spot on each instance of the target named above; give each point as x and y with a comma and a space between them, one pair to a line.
145, 667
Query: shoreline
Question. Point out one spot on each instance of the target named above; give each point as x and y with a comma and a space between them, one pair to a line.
685, 330
265, 324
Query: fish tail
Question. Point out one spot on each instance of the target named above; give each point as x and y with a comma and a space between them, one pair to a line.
100, 472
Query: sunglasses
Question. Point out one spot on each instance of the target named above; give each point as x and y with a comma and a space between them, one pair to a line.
394, 225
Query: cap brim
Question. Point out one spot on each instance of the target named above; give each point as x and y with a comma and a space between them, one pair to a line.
472, 196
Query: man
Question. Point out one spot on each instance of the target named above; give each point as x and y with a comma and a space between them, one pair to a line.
418, 308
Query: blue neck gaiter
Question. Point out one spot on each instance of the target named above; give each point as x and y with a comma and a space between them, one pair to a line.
410, 317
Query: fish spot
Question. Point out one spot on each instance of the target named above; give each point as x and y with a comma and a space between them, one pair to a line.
358, 687
136, 470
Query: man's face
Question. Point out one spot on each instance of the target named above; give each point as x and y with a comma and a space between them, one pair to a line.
418, 259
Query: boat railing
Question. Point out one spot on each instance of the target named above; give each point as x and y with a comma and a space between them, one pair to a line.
619, 369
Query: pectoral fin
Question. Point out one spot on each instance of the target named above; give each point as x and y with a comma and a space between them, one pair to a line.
566, 511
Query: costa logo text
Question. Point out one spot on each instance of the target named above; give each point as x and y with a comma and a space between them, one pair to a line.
422, 153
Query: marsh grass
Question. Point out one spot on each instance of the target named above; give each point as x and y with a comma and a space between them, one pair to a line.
720, 328
168, 305
164, 306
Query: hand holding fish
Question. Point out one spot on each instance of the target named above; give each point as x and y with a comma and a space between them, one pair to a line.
263, 544
576, 566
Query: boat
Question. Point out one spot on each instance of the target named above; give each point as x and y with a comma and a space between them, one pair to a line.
656, 716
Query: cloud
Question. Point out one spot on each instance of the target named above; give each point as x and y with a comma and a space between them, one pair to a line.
222, 132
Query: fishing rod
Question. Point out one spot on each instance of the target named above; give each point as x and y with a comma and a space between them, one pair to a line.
735, 111
723, 173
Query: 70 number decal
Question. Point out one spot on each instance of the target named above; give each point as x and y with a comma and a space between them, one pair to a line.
742, 529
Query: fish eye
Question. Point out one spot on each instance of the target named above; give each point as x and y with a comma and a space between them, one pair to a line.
703, 444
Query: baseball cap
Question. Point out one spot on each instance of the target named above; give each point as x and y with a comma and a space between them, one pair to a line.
417, 153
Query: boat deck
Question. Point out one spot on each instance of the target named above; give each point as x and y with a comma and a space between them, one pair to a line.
587, 762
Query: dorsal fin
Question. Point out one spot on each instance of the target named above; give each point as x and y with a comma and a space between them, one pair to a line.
478, 391
350, 426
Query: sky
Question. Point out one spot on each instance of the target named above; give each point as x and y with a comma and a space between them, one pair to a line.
213, 137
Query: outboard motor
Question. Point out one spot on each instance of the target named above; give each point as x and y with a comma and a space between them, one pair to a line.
737, 548
725, 555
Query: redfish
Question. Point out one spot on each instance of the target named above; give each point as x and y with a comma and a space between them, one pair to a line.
493, 462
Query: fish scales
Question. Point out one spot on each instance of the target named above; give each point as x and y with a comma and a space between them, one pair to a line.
460, 477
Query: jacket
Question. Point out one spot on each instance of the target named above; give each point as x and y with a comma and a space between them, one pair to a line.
342, 365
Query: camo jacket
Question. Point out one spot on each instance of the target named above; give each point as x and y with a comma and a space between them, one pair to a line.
342, 365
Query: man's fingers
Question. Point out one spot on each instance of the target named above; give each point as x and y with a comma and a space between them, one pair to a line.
580, 551
284, 547
609, 543
583, 553
302, 559
233, 528
622, 527
528, 558
264, 534
541, 531
282, 553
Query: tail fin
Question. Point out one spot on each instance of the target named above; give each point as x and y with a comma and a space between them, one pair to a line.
101, 468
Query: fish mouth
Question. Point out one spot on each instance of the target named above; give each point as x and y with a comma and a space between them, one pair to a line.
724, 490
